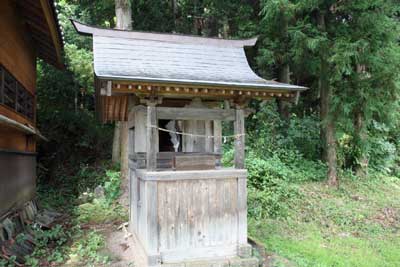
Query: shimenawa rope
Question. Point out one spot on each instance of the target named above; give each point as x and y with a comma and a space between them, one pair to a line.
197, 135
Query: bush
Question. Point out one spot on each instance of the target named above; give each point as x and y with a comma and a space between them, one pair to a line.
269, 189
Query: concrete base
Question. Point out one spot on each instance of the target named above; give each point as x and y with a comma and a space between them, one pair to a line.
234, 262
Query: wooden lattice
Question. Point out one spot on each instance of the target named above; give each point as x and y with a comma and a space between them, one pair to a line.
14, 95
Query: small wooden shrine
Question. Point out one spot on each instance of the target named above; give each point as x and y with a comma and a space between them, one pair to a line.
175, 91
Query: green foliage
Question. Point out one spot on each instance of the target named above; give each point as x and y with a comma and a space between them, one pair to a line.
266, 191
269, 134
86, 249
104, 210
70, 131
50, 246
353, 226
99, 211
68, 242
112, 186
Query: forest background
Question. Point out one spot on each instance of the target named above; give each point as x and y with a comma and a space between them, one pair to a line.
324, 172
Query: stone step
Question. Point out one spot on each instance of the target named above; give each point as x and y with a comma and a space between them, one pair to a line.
234, 262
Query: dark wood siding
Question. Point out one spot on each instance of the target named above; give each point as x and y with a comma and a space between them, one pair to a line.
17, 179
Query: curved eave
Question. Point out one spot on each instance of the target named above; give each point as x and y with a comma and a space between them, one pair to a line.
199, 83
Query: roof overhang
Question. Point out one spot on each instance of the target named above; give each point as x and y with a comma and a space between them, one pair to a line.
173, 66
40, 17
143, 57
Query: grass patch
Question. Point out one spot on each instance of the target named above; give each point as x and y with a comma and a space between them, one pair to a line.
357, 225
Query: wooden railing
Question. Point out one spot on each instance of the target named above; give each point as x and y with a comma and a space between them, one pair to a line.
178, 160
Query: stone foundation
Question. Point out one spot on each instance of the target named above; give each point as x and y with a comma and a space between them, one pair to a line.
234, 262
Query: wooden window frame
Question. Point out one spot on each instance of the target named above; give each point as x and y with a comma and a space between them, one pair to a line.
24, 101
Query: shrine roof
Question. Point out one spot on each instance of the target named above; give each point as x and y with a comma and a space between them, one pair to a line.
174, 59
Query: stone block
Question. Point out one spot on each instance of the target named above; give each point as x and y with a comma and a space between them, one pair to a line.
249, 262
173, 265
208, 263
245, 251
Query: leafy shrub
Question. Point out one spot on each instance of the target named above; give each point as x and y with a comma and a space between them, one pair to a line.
104, 209
269, 134
86, 249
269, 189
99, 211
50, 245
112, 186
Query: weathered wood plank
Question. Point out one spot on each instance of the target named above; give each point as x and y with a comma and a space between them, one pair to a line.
194, 162
152, 138
185, 218
240, 139
196, 253
133, 200
153, 234
162, 215
169, 113
242, 210
191, 175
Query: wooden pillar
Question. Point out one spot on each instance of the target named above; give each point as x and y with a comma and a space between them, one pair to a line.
140, 130
217, 131
152, 137
239, 140
209, 147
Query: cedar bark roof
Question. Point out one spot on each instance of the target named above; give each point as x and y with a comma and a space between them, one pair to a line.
175, 59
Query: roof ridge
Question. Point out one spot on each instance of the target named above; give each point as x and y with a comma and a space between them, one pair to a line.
162, 37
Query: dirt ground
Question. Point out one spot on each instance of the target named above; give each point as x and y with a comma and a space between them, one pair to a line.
124, 248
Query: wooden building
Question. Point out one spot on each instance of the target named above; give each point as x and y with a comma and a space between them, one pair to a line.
175, 91
29, 30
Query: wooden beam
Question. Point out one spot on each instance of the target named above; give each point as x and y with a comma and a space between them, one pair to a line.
239, 140
166, 113
152, 137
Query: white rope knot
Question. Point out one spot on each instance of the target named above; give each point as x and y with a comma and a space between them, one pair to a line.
224, 137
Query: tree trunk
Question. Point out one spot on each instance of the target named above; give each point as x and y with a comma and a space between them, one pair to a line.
284, 106
123, 15
284, 71
116, 149
174, 6
328, 122
360, 136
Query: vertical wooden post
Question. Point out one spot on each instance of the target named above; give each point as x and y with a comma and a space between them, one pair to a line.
152, 223
242, 210
239, 140
208, 132
217, 139
152, 136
